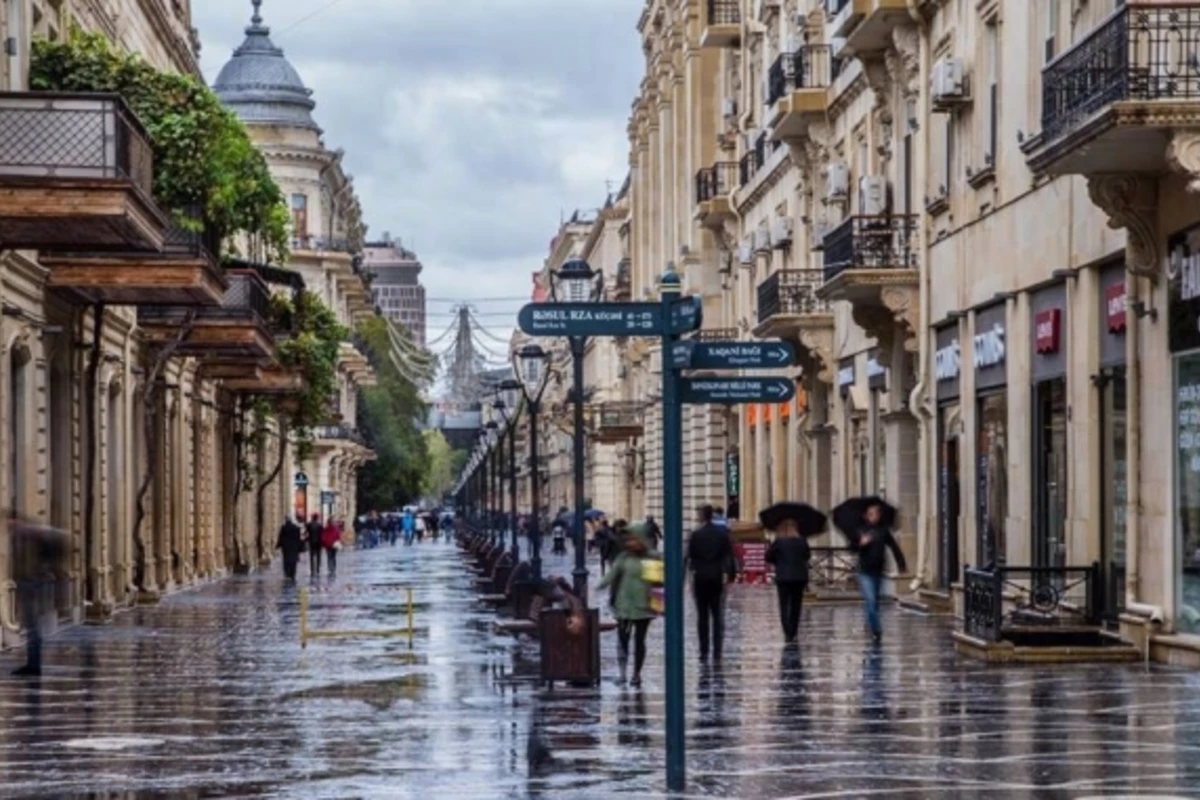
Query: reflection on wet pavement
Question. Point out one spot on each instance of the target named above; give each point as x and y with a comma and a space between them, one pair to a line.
209, 694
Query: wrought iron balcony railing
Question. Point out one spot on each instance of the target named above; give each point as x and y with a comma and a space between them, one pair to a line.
715, 181
339, 433
246, 299
756, 157
1044, 597
715, 335
619, 414
73, 136
1144, 51
791, 291
810, 67
724, 12
318, 244
871, 242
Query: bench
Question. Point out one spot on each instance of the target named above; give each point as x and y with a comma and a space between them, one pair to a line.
497, 579
521, 573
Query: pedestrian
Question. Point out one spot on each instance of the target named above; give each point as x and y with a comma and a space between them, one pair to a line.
312, 534
719, 518
872, 541
559, 532
408, 524
290, 542
39, 566
419, 527
331, 542
789, 554
631, 599
710, 558
607, 544
653, 532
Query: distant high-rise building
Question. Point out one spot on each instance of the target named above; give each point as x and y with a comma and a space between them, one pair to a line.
396, 289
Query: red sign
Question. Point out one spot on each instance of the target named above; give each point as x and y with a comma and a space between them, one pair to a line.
1047, 328
1114, 304
752, 556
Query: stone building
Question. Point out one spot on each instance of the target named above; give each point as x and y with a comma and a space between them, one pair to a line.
396, 288
973, 220
91, 408
269, 96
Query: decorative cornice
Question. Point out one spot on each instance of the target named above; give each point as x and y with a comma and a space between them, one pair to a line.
1131, 203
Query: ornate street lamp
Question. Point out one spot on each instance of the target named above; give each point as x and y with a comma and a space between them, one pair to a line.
510, 394
531, 366
577, 282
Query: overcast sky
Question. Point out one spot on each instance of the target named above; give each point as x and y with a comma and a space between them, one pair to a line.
469, 125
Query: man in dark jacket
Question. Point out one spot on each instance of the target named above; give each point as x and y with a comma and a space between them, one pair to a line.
789, 555
710, 556
290, 539
872, 543
313, 536
653, 532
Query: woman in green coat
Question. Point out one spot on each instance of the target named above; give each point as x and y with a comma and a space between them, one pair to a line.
631, 599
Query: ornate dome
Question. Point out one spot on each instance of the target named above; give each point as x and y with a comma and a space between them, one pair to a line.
260, 86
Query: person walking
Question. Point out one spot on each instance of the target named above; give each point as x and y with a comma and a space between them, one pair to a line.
559, 532
710, 558
290, 542
312, 536
631, 600
331, 542
38, 569
789, 554
653, 532
872, 541
408, 524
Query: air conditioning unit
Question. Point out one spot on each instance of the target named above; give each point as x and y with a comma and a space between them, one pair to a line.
872, 195
781, 232
729, 108
750, 137
837, 182
820, 230
762, 240
948, 84
746, 251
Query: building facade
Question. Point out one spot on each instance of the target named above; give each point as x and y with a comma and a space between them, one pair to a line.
982, 254
396, 288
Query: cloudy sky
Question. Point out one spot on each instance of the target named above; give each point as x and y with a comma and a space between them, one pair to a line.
469, 125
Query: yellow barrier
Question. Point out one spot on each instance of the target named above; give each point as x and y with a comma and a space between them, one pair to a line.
306, 634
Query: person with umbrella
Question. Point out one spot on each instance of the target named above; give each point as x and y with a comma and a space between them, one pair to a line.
789, 554
867, 522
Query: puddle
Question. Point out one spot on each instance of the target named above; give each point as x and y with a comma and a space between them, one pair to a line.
112, 744
380, 695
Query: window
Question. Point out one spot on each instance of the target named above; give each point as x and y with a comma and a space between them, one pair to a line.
1051, 29
300, 215
1187, 491
992, 64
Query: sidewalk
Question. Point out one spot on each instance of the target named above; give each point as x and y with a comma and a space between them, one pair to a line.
209, 694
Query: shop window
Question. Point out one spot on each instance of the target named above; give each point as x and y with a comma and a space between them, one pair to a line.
1187, 494
1050, 474
992, 476
1114, 486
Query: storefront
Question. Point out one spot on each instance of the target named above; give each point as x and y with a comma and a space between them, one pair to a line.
991, 414
1114, 486
1184, 337
1048, 363
947, 365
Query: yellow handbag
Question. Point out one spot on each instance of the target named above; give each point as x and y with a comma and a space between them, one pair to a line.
652, 571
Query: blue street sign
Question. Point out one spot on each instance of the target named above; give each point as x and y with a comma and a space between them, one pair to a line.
733, 391
301, 480
591, 319
687, 315
681, 354
742, 355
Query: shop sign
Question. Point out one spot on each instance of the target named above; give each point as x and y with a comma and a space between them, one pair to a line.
1047, 327
989, 347
733, 477
1114, 304
947, 362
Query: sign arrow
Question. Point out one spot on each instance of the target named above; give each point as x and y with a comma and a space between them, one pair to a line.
742, 355
734, 391
681, 354
591, 319
687, 315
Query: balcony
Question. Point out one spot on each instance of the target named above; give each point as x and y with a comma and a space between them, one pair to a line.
715, 335
871, 262
714, 194
797, 90
723, 24
272, 380
318, 244
866, 25
755, 159
235, 330
356, 365
1111, 102
338, 434
184, 272
617, 422
76, 173
790, 308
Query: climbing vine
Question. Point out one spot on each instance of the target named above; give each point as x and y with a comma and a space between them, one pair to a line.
203, 157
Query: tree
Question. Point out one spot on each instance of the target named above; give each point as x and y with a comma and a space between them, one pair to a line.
443, 465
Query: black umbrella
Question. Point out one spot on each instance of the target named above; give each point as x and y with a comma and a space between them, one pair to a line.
849, 516
809, 520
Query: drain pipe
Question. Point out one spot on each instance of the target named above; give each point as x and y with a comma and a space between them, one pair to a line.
919, 399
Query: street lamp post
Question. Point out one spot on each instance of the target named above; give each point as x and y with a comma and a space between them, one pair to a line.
510, 394
532, 362
578, 283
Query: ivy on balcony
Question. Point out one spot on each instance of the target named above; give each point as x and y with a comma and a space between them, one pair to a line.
203, 156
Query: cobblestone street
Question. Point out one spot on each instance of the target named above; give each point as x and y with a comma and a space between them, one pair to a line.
210, 694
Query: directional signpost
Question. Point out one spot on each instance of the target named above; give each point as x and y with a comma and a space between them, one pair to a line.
668, 319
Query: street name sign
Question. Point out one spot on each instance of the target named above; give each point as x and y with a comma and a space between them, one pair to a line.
591, 319
687, 315
681, 354
733, 391
741, 355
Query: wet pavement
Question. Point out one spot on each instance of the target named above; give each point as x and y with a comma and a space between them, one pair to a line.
210, 695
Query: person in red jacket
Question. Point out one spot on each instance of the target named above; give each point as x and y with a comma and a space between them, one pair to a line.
331, 542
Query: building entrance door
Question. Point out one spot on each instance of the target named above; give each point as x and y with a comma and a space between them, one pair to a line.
1050, 474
